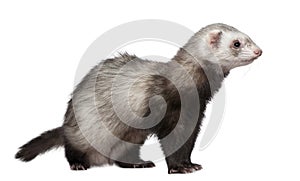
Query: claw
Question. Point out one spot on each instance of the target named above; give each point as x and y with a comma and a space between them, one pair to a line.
77, 167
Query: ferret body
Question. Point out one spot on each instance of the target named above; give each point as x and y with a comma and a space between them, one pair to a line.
123, 100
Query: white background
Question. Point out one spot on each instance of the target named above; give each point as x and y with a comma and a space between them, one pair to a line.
41, 45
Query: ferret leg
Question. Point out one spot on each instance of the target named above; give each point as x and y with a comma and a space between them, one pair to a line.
180, 161
131, 159
77, 159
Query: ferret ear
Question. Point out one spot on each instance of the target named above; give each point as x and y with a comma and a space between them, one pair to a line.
214, 38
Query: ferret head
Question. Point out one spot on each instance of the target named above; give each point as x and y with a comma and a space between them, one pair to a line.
224, 45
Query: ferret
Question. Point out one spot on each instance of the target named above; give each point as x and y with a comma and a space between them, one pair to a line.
124, 100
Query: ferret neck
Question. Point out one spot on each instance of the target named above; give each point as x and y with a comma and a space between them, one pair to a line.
207, 76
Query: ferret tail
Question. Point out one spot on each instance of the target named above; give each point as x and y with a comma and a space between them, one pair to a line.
46, 141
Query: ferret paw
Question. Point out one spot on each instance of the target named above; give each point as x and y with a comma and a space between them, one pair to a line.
143, 164
187, 168
78, 166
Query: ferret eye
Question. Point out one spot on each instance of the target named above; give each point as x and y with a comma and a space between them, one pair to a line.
236, 44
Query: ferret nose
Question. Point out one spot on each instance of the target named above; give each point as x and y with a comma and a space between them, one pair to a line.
258, 52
